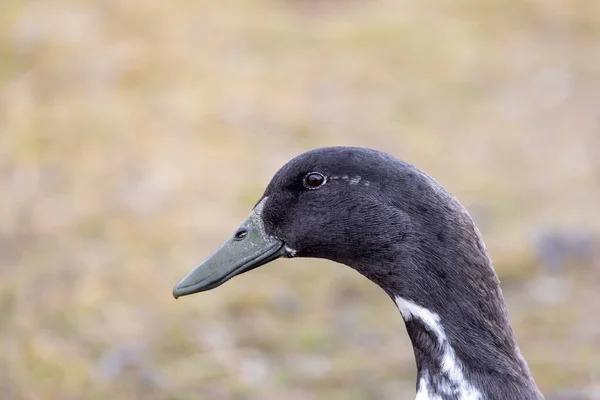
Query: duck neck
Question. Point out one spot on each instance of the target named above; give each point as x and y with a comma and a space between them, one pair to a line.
462, 354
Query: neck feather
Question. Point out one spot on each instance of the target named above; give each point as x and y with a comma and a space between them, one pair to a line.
443, 374
438, 272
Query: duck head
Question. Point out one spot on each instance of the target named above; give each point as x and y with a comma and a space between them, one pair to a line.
359, 207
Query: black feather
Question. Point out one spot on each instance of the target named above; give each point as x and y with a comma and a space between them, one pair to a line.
401, 229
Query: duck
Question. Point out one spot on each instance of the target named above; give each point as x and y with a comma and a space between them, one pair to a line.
399, 228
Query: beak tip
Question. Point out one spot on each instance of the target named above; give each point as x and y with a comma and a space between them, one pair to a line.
176, 293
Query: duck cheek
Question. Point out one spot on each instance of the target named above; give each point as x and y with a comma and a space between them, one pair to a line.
319, 247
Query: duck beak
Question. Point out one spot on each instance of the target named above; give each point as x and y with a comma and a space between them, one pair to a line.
249, 248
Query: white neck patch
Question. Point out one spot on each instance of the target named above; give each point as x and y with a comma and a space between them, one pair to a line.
449, 364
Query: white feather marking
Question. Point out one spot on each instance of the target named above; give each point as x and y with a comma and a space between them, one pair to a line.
423, 392
449, 364
291, 252
354, 180
256, 216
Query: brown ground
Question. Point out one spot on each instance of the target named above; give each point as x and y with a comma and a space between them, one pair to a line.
135, 136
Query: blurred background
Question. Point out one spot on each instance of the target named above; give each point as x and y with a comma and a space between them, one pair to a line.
136, 135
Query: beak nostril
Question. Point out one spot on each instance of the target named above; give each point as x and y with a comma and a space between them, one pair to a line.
241, 234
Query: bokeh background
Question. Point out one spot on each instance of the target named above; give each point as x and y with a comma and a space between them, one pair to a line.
136, 135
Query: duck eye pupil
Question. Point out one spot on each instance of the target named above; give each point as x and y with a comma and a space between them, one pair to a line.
314, 180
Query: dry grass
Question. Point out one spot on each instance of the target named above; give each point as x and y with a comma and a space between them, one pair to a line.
135, 136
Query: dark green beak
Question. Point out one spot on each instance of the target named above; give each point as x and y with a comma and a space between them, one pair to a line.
249, 248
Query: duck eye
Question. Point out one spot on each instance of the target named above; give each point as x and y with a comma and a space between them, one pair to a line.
313, 180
